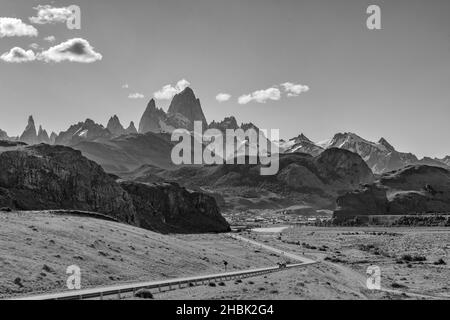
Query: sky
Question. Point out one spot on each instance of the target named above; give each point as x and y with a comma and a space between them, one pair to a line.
299, 66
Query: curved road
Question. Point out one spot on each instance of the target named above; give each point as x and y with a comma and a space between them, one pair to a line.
269, 248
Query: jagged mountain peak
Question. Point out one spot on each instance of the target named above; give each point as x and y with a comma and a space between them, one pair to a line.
188, 105
29, 135
386, 144
187, 92
227, 123
53, 137
131, 128
88, 130
115, 127
151, 118
43, 136
301, 138
151, 104
30, 120
3, 133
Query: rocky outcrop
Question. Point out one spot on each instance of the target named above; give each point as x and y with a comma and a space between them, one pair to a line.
186, 104
169, 208
227, 123
44, 177
152, 118
131, 129
29, 136
3, 135
53, 137
55, 177
410, 190
115, 127
42, 136
184, 109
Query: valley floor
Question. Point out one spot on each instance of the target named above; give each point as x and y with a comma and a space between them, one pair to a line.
344, 255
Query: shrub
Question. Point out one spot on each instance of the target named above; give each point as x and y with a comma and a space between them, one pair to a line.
397, 285
143, 294
440, 262
407, 257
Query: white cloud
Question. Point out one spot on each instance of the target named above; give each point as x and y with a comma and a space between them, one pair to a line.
18, 55
12, 27
261, 96
34, 46
222, 97
136, 96
125, 86
168, 91
50, 38
74, 50
48, 14
294, 90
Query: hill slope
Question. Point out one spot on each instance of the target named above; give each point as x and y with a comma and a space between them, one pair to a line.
37, 247
410, 190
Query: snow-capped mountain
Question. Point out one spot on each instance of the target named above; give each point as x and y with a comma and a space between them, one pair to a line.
301, 144
380, 156
83, 131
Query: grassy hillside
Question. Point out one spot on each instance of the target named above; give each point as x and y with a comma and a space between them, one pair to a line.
37, 247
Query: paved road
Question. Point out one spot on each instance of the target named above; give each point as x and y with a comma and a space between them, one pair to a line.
178, 282
296, 257
170, 284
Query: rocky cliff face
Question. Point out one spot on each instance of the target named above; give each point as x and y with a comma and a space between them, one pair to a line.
410, 190
42, 136
56, 177
227, 123
3, 135
169, 208
186, 104
115, 127
53, 137
43, 177
152, 118
184, 109
131, 129
29, 135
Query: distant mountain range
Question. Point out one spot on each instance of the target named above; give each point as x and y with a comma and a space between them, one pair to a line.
118, 148
380, 156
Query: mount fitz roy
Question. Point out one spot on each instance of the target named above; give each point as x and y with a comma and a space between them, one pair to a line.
184, 109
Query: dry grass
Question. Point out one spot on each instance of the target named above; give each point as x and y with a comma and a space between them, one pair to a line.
345, 254
36, 248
